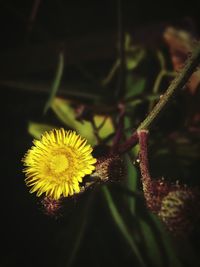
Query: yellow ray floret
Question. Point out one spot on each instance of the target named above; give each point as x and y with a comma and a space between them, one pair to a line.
57, 163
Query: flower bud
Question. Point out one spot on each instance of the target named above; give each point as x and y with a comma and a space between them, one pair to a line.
109, 168
179, 210
51, 206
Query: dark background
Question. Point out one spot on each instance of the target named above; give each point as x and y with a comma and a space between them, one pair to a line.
28, 236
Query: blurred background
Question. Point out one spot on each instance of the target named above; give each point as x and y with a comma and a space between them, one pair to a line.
88, 231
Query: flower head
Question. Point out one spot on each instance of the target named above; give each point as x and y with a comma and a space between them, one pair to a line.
179, 210
57, 163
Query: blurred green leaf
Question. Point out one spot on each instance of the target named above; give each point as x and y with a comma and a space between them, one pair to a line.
153, 97
111, 73
66, 114
135, 86
128, 125
56, 82
79, 230
132, 104
131, 182
107, 127
152, 247
133, 59
167, 241
134, 54
122, 226
37, 129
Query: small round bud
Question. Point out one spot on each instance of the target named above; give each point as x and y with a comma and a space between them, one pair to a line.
51, 206
111, 168
179, 210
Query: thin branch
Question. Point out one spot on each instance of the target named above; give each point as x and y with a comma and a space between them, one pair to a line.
95, 130
133, 139
102, 123
120, 128
177, 84
144, 163
111, 73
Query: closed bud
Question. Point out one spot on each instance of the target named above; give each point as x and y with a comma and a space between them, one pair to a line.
109, 169
179, 210
51, 206
177, 205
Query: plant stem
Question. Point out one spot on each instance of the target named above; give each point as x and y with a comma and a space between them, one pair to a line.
180, 80
144, 163
120, 128
176, 85
128, 144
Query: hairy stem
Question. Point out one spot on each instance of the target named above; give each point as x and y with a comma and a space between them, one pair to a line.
144, 164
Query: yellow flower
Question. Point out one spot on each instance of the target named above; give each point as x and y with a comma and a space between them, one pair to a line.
56, 164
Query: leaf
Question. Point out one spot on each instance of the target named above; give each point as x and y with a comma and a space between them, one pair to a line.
56, 82
167, 242
135, 85
133, 59
66, 114
134, 54
122, 226
111, 73
107, 128
37, 129
131, 182
80, 229
152, 248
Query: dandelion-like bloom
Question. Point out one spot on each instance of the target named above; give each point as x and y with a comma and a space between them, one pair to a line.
57, 163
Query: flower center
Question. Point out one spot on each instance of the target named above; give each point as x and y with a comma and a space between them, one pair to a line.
59, 163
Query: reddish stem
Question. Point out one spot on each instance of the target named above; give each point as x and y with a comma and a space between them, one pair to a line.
144, 165
120, 129
128, 144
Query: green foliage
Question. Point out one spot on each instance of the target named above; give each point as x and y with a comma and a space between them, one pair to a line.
135, 86
123, 227
37, 129
131, 183
150, 243
134, 54
66, 115
56, 82
151, 246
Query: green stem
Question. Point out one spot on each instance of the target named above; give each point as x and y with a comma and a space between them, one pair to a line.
158, 81
180, 80
176, 85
